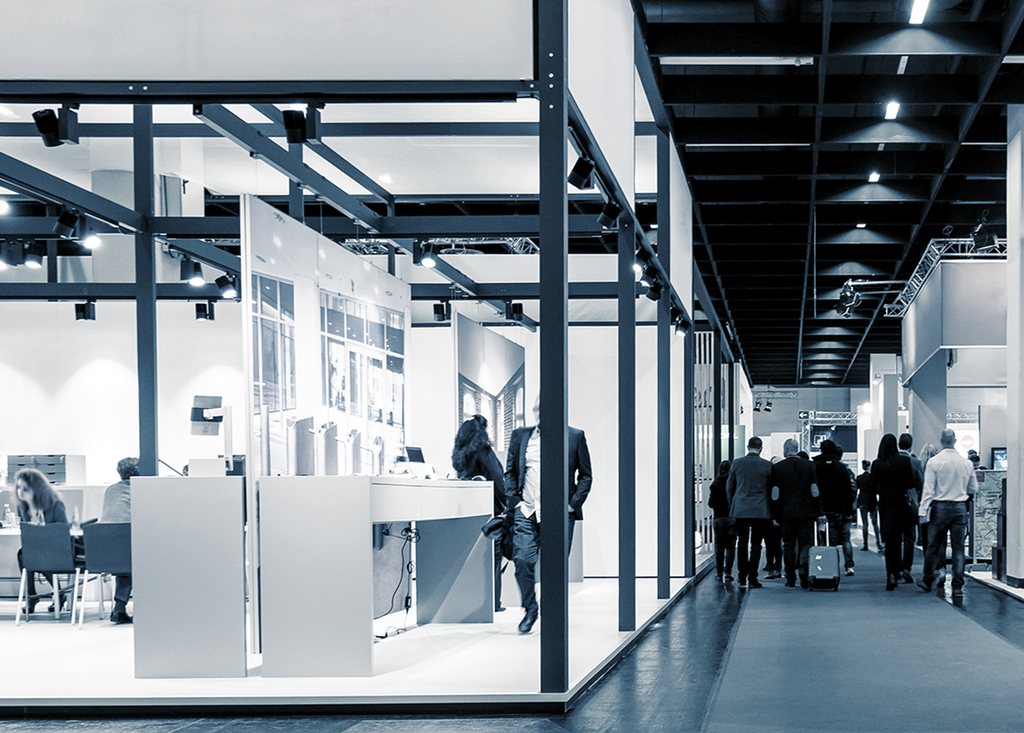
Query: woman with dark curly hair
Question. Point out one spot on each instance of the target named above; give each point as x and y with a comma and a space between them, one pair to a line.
473, 456
894, 479
37, 503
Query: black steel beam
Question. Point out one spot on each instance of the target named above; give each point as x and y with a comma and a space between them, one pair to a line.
209, 255
145, 293
626, 339
242, 134
248, 92
44, 186
104, 291
521, 291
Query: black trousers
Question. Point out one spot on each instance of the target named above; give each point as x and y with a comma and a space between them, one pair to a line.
772, 548
725, 544
899, 549
749, 536
797, 539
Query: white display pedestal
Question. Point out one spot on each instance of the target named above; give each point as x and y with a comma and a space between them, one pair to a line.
188, 576
319, 530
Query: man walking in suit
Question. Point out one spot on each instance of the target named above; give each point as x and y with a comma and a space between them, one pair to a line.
522, 486
795, 506
747, 489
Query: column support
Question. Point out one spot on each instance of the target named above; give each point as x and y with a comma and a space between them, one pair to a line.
1014, 350
664, 337
552, 47
689, 516
145, 291
296, 204
627, 425
716, 391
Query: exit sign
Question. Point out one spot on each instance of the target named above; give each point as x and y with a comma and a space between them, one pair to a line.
804, 414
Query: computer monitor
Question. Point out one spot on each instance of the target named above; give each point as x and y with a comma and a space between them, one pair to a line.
999, 462
202, 425
415, 454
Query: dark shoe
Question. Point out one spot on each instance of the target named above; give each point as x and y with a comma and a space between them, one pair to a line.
752, 583
890, 581
120, 617
528, 621
804, 582
849, 571
729, 578
958, 593
499, 609
718, 577
906, 577
926, 587
791, 584
941, 582
864, 548
743, 583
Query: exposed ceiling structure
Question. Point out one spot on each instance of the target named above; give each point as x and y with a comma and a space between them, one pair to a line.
779, 109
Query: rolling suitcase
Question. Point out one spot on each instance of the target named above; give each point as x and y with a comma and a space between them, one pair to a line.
823, 566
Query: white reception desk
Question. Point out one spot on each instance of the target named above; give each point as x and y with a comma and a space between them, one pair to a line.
320, 529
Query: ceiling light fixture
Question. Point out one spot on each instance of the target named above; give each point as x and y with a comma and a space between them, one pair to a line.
891, 110
649, 276
57, 128
757, 406
85, 311
918, 11
294, 126
192, 272
654, 291
737, 60
227, 286
768, 406
580, 175
875, 177
609, 215
427, 258
861, 225
443, 311
5, 207
92, 242
34, 254
204, 311
67, 223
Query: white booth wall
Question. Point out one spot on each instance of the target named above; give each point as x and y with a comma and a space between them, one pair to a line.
72, 386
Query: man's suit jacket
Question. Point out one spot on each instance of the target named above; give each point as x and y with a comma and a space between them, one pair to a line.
579, 469
748, 487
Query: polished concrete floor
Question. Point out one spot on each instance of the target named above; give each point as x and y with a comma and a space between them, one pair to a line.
684, 675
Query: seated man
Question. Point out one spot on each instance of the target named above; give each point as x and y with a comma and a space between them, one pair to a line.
117, 508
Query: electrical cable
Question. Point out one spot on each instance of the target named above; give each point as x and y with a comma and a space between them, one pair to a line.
408, 536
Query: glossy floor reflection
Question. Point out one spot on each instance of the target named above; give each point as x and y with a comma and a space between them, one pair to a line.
667, 683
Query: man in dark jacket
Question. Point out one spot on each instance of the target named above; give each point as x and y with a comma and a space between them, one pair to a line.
837, 496
795, 505
522, 486
747, 489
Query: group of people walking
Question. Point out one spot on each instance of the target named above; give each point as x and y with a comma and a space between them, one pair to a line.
757, 502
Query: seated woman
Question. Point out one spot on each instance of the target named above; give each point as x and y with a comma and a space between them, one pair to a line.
37, 503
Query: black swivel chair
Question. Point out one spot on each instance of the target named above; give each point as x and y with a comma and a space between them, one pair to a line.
108, 551
46, 548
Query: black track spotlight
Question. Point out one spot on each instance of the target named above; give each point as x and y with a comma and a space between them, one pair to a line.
85, 311
13, 252
443, 311
609, 215
649, 276
227, 287
757, 406
204, 311
67, 224
513, 311
192, 272
423, 254
56, 129
295, 126
654, 291
34, 254
579, 176
768, 406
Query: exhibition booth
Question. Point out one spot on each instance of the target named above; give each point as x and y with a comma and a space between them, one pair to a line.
318, 550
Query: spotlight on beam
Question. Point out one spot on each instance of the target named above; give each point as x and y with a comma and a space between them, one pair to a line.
294, 126
579, 176
34, 254
609, 215
85, 311
5, 207
57, 128
192, 272
204, 311
443, 311
655, 290
68, 221
227, 286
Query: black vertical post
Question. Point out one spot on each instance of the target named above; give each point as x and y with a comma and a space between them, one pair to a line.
716, 382
296, 206
731, 375
627, 425
664, 338
145, 291
689, 517
553, 46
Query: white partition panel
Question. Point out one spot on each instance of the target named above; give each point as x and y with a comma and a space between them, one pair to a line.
188, 575
239, 40
681, 240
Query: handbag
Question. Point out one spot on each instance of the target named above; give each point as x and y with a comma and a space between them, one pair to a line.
912, 506
499, 529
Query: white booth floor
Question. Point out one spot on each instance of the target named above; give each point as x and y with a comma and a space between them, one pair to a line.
49, 663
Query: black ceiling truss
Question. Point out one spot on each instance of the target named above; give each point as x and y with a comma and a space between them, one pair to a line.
779, 157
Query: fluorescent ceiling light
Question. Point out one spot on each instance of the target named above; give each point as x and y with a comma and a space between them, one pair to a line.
874, 177
891, 110
737, 60
5, 207
92, 241
903, 65
7, 112
862, 225
918, 11
1006, 60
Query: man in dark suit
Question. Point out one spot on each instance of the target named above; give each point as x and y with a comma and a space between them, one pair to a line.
795, 505
747, 488
522, 486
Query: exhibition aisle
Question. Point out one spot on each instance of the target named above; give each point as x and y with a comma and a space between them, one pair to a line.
437, 663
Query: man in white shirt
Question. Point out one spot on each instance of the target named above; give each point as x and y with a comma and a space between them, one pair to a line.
522, 488
949, 484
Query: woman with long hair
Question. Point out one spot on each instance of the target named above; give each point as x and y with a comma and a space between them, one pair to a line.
473, 456
895, 480
37, 503
725, 526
